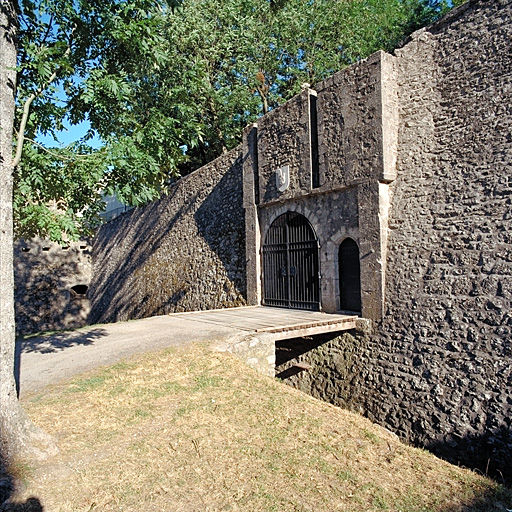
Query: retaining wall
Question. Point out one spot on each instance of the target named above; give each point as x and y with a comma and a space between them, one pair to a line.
51, 283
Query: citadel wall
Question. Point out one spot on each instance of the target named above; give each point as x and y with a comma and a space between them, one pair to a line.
436, 369
184, 252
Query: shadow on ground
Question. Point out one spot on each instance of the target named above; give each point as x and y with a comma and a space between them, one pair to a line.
7, 488
59, 341
49, 343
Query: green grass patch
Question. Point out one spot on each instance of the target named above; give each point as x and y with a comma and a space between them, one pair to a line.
87, 385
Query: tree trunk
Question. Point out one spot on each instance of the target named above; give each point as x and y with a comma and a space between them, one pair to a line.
19, 437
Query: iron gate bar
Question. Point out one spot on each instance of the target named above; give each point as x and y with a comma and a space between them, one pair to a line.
290, 264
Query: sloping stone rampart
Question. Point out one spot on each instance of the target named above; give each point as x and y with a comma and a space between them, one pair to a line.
184, 252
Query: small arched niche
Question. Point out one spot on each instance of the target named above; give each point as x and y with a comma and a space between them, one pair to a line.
349, 276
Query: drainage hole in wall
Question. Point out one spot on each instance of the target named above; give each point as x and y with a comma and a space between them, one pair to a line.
79, 289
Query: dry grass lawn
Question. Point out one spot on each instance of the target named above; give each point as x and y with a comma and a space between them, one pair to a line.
191, 430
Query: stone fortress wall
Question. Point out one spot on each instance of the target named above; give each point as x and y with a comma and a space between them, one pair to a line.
184, 252
410, 156
436, 368
356, 128
51, 285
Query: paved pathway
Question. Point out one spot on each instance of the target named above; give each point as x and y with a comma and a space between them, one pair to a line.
49, 359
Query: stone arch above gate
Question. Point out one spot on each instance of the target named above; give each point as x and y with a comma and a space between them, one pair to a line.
291, 263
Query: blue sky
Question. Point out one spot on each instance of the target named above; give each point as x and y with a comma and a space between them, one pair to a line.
72, 134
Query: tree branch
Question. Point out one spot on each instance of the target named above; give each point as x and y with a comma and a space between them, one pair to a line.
56, 155
26, 111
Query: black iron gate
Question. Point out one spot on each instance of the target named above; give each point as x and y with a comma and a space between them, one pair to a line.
290, 264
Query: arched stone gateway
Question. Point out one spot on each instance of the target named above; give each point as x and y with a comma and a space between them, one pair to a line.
290, 264
350, 276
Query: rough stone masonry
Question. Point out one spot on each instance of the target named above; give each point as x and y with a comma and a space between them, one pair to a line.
436, 368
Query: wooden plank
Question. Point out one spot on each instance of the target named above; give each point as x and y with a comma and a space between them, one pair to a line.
299, 333
303, 366
308, 325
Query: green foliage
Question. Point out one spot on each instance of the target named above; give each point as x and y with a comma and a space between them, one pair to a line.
169, 86
233, 60
57, 194
80, 60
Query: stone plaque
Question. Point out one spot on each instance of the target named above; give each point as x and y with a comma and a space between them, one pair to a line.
283, 178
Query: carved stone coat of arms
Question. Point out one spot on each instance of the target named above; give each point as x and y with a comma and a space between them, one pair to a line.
283, 178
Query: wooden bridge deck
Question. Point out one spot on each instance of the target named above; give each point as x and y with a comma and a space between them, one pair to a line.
280, 322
